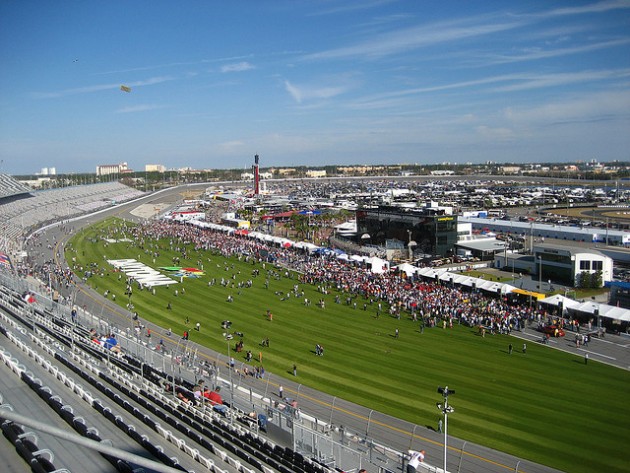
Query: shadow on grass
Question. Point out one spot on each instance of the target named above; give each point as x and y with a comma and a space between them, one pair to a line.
580, 362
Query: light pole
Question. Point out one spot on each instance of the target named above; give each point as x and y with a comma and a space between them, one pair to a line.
446, 410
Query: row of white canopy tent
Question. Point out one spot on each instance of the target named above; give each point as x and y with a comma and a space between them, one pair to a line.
377, 265
589, 307
445, 275
257, 235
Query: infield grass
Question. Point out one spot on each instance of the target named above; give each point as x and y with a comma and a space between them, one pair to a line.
546, 406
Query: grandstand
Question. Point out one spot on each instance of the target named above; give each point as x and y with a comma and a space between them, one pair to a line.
21, 216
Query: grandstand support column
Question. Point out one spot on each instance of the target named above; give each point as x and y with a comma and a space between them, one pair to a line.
32, 307
461, 456
369, 422
173, 375
267, 386
332, 410
413, 436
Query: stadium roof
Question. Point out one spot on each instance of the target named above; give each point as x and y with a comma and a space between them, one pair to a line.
485, 245
10, 187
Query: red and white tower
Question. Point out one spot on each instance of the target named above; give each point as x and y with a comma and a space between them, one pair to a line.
256, 177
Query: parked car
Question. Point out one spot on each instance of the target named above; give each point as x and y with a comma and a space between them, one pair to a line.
552, 330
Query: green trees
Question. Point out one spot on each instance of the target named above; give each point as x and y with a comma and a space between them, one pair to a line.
587, 280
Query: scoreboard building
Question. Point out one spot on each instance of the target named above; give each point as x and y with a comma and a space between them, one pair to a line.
430, 230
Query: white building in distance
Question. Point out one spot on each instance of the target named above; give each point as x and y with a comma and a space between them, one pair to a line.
48, 172
154, 168
107, 169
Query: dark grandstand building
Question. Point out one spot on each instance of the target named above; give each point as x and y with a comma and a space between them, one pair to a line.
619, 294
433, 231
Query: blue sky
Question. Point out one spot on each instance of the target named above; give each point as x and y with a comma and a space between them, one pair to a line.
306, 82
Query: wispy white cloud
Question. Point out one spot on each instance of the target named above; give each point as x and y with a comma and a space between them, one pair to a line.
139, 108
309, 92
385, 98
584, 108
407, 39
557, 33
237, 67
551, 53
228, 58
76, 91
345, 7
512, 83
495, 133
151, 81
101, 87
150, 67
598, 7
560, 79
231, 147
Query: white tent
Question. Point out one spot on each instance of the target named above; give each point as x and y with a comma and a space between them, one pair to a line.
407, 268
426, 272
506, 288
614, 312
255, 235
459, 278
487, 285
469, 281
588, 307
378, 265
557, 299
604, 311
431, 272
447, 276
310, 247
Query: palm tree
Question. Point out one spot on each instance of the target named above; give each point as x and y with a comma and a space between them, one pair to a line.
299, 224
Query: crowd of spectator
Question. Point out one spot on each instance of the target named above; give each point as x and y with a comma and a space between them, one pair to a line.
429, 302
